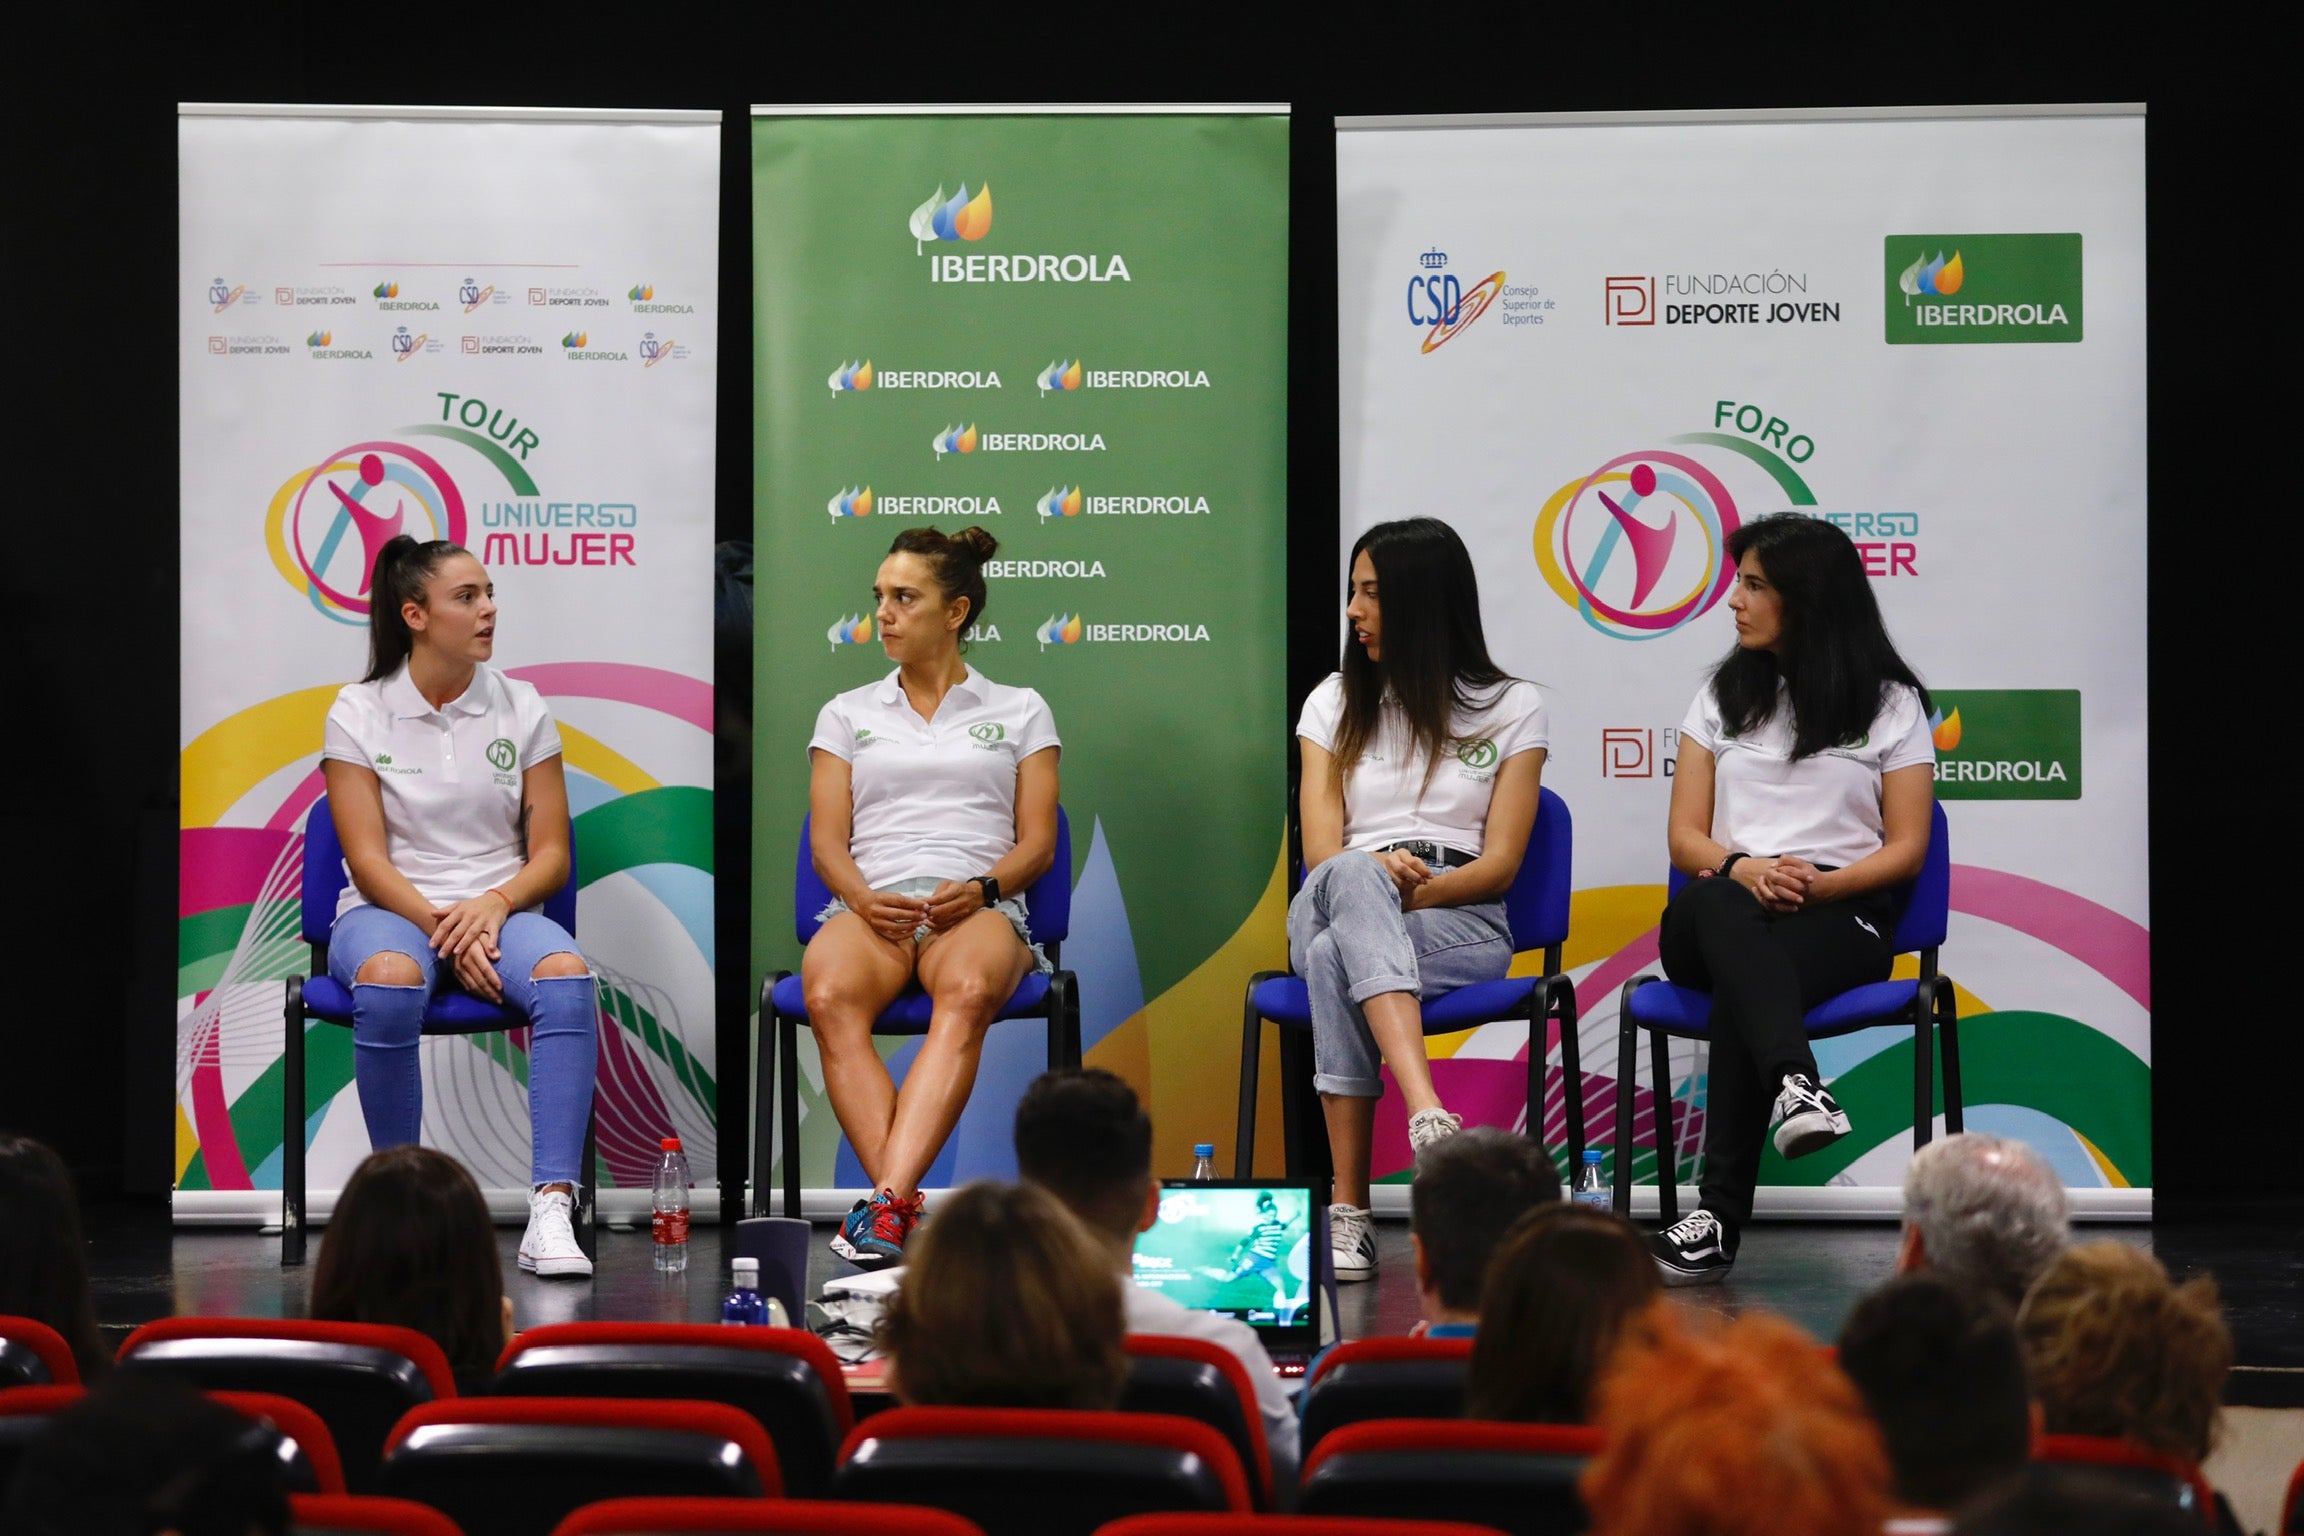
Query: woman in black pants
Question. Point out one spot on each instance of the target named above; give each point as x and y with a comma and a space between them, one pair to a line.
1801, 799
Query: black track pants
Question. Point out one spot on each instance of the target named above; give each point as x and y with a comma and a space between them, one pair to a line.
1764, 972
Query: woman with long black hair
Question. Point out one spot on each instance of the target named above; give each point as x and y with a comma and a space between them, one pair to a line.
1421, 765
445, 784
1801, 799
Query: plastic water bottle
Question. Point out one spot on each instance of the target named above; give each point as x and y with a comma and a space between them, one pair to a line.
1592, 1185
670, 1226
1204, 1160
743, 1306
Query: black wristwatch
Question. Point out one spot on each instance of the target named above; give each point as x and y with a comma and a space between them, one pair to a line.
991, 889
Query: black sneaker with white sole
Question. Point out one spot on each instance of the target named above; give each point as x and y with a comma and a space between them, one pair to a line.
1699, 1250
1807, 1118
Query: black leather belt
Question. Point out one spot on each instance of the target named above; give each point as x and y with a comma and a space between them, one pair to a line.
1434, 854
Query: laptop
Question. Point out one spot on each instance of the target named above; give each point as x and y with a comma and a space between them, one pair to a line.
1255, 1250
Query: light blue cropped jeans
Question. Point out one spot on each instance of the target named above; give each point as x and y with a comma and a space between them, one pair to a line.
563, 1017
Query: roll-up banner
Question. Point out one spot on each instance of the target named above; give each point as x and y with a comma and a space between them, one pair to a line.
1597, 345
1017, 318
495, 327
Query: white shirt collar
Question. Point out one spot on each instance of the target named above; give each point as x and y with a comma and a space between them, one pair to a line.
401, 697
891, 690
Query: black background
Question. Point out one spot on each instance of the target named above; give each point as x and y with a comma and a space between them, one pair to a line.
88, 548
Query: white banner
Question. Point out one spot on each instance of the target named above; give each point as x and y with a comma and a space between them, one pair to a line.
1926, 328
504, 322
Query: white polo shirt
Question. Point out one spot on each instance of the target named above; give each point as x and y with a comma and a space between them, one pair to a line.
933, 798
451, 777
1826, 808
1387, 799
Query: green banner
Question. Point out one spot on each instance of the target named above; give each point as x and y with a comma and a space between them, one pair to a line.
1983, 288
2007, 743
1069, 329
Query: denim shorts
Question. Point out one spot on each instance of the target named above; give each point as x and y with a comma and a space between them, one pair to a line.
1009, 907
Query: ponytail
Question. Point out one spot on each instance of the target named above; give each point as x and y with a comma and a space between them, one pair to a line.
957, 560
402, 568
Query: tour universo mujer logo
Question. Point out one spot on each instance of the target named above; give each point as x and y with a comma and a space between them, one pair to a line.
327, 522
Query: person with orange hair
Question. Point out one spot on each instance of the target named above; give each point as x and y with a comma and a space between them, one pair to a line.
1745, 1429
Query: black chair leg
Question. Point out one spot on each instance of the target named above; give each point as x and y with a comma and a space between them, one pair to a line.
1667, 1131
1059, 1023
1924, 1063
764, 1096
292, 1128
1571, 1069
1295, 1089
1627, 1079
1251, 1071
588, 1183
788, 1107
1948, 1035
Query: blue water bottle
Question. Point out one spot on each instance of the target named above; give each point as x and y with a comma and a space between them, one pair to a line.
1204, 1160
743, 1307
1592, 1185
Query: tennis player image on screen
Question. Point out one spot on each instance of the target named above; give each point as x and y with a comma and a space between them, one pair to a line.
1242, 1251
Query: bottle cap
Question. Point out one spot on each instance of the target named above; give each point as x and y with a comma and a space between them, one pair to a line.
671, 1144
1591, 1154
743, 1267
1204, 1149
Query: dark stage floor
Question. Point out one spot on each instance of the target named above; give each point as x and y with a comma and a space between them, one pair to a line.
1812, 1272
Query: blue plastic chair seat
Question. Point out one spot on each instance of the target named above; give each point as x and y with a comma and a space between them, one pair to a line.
1687, 1013
1287, 1001
908, 1015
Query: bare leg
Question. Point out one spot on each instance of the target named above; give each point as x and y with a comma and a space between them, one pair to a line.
1398, 1025
1351, 1130
849, 974
969, 970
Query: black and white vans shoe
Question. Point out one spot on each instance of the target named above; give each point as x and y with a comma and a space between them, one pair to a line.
1699, 1250
1807, 1118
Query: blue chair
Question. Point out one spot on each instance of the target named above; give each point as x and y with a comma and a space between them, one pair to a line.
453, 1011
1667, 1009
1537, 908
1054, 997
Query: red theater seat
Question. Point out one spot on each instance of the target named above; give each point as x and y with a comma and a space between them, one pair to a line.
785, 1378
1285, 1525
1048, 1471
315, 1514
2292, 1513
785, 1517
2170, 1478
32, 1354
1386, 1378
1516, 1478
1195, 1379
517, 1466
299, 1425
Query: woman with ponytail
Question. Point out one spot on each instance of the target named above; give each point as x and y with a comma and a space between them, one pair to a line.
1801, 798
444, 780
932, 798
1422, 763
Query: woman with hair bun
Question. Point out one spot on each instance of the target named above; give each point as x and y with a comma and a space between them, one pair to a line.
445, 784
932, 798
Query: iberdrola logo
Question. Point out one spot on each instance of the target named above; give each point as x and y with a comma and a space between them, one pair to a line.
576, 341
1061, 376
1945, 729
960, 218
853, 502
387, 290
954, 440
641, 293
849, 377
1061, 503
856, 629
1061, 629
320, 339
1933, 278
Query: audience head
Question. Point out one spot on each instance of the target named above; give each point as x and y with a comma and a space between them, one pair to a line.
144, 1454
2048, 1500
1566, 1283
43, 1262
1940, 1368
1082, 1136
411, 1244
1984, 1211
1007, 1302
1469, 1189
2115, 1348
1741, 1429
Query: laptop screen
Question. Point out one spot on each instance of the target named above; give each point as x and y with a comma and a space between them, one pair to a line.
1242, 1249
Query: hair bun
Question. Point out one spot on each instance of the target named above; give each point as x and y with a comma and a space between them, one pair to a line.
977, 542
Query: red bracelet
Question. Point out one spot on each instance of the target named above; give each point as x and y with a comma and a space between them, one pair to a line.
500, 896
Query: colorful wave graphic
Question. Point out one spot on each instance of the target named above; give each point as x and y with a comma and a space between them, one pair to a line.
1061, 629
1064, 502
1061, 376
853, 502
1936, 278
387, 290
856, 629
849, 377
645, 918
960, 218
954, 440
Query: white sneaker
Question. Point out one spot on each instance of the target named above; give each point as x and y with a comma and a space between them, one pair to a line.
1807, 1118
549, 1247
1351, 1243
1427, 1126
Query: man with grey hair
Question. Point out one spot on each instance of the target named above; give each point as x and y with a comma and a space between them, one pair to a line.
1983, 1211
